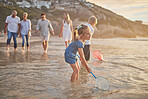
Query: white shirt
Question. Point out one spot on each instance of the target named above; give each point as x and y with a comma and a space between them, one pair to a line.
13, 23
88, 42
25, 26
44, 26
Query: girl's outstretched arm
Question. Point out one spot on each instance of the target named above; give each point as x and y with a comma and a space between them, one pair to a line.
80, 50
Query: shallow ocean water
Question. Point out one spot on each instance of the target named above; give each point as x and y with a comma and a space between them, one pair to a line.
36, 75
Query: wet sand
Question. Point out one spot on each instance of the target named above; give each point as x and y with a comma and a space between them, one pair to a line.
36, 75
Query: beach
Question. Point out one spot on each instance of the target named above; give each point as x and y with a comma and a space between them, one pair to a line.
36, 75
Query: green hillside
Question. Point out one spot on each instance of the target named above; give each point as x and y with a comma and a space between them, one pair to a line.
109, 24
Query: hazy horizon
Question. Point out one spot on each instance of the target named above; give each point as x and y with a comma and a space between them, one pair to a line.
133, 10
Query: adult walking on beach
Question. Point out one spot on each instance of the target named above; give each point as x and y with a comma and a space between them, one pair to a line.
66, 29
44, 26
12, 28
25, 30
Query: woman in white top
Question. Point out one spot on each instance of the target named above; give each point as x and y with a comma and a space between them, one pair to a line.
66, 29
25, 30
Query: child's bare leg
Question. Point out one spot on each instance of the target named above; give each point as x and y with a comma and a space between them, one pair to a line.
78, 70
66, 43
75, 72
83, 63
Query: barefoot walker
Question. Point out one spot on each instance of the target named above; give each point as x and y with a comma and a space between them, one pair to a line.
44, 25
25, 30
12, 28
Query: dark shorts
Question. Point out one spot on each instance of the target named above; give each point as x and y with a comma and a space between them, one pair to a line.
86, 51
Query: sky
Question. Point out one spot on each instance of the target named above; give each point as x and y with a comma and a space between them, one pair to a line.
130, 9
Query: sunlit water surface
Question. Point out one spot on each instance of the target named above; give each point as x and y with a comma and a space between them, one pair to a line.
35, 75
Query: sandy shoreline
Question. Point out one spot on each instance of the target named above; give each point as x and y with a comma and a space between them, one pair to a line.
33, 39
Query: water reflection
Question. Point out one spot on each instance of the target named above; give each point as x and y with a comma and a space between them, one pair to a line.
12, 57
45, 56
97, 63
83, 75
7, 56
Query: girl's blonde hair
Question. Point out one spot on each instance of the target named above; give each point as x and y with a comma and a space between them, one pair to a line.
79, 30
67, 19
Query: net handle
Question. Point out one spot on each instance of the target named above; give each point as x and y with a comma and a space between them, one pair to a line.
93, 74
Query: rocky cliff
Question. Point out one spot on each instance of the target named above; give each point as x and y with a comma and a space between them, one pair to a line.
110, 24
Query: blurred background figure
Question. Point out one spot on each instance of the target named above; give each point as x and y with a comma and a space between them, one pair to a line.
66, 29
44, 26
12, 28
25, 30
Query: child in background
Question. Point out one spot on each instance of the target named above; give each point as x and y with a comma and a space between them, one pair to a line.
92, 21
81, 34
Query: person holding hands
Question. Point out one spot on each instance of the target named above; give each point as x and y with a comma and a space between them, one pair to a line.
12, 28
